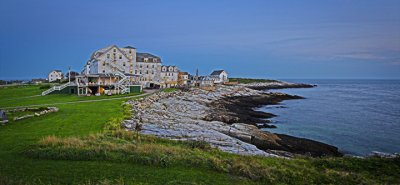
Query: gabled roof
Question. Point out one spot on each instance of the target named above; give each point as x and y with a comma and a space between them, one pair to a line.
57, 70
105, 50
141, 56
146, 55
129, 47
217, 72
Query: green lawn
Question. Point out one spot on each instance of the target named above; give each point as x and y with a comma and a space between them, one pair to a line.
25, 159
30, 95
75, 120
169, 90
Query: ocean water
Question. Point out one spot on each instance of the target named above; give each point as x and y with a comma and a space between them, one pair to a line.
357, 116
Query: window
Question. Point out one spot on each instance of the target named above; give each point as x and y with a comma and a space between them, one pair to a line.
123, 64
140, 66
120, 56
152, 66
104, 63
136, 72
130, 51
115, 50
147, 66
104, 71
147, 72
108, 55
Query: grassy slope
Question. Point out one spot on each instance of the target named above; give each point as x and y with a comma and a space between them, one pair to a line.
74, 120
80, 120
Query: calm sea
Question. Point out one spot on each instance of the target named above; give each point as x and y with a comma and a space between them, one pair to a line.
357, 116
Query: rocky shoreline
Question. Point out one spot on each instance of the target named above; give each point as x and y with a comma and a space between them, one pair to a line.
225, 118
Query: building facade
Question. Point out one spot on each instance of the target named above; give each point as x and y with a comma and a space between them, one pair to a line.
183, 79
169, 76
55, 75
219, 76
148, 67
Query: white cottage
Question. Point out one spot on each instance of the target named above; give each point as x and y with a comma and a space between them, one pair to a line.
55, 75
219, 76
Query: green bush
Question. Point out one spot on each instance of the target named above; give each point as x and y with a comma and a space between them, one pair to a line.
47, 86
113, 124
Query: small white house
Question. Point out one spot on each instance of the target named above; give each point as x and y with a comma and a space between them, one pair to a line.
55, 75
206, 81
219, 76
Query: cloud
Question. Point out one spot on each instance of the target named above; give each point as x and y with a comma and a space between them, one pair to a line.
361, 56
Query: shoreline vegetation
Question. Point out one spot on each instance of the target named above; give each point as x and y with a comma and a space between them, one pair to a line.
68, 147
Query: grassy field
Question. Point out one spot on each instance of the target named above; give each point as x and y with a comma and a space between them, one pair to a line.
72, 146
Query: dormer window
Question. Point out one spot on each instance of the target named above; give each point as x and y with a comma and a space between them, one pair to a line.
130, 51
115, 50
120, 56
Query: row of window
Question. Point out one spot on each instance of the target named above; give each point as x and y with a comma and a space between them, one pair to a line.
114, 56
169, 74
147, 59
124, 64
147, 72
147, 66
145, 79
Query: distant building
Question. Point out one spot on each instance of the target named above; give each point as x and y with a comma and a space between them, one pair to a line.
206, 81
38, 80
169, 76
119, 70
183, 79
55, 75
219, 76
148, 67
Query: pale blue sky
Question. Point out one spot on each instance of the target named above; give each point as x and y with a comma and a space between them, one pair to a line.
268, 39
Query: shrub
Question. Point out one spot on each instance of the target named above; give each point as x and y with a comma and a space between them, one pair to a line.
202, 145
47, 86
113, 124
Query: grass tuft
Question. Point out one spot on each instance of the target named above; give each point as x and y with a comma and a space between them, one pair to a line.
123, 146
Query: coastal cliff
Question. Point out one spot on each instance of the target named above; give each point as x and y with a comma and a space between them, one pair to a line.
225, 118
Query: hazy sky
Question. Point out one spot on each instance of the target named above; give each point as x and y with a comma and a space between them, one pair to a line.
270, 39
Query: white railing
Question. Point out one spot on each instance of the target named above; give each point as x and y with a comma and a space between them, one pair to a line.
57, 88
